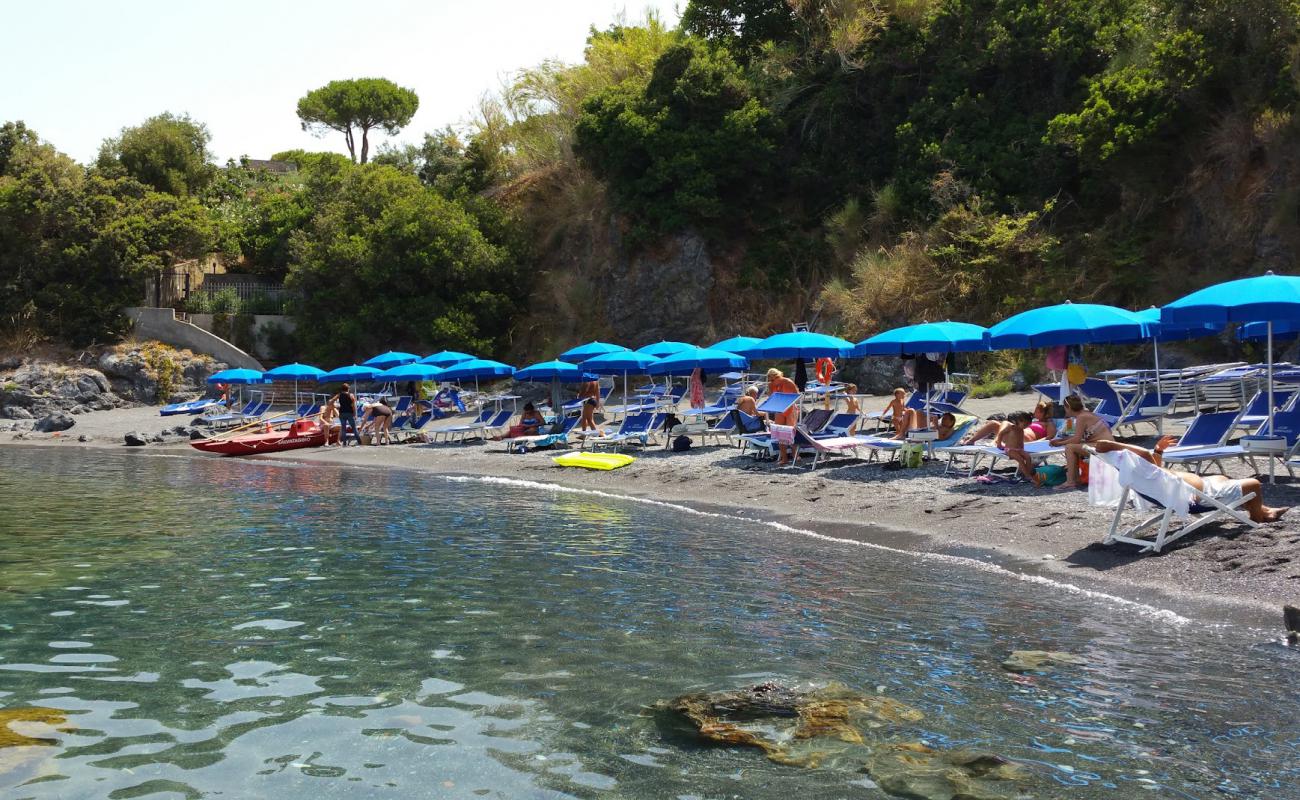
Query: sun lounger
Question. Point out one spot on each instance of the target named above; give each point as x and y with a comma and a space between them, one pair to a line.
773, 405
409, 426
449, 431
522, 444
1286, 426
1126, 409
1152, 488
880, 444
1039, 452
820, 448
725, 402
189, 407
1256, 411
837, 425
251, 412
635, 428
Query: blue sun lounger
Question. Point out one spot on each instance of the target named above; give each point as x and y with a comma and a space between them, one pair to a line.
775, 404
635, 427
476, 424
189, 407
522, 444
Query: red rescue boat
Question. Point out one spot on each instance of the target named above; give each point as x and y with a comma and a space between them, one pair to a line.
302, 433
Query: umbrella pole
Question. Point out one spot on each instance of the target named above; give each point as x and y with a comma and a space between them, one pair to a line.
624, 394
1272, 475
1160, 420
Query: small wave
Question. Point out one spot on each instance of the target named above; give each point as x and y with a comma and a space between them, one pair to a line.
1153, 612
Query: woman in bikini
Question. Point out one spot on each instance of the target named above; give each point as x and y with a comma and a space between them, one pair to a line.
1042, 426
1088, 429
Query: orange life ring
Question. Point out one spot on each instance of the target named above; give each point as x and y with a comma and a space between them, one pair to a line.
825, 369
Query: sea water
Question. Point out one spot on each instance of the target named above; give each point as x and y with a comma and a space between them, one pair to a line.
223, 628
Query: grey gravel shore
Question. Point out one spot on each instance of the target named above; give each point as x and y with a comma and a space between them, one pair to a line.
1227, 573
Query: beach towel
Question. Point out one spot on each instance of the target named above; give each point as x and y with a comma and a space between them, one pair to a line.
782, 434
1148, 480
697, 388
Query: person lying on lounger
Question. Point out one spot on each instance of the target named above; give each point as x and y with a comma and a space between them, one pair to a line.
530, 422
1220, 487
1042, 426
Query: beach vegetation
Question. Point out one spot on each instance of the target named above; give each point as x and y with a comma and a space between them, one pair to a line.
168, 153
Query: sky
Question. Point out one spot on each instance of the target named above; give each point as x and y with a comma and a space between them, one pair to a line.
79, 71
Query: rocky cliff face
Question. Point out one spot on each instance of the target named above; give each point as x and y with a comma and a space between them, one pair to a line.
45, 394
663, 293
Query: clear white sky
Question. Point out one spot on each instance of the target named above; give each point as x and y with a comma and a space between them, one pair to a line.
78, 71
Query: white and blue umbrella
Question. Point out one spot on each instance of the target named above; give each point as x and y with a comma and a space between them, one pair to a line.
390, 359
581, 353
1267, 298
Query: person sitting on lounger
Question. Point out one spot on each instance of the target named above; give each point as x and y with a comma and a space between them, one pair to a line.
1220, 487
1013, 442
778, 383
897, 413
530, 423
748, 418
1088, 429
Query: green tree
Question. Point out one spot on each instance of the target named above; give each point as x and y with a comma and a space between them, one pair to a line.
360, 104
691, 148
77, 246
743, 26
388, 262
166, 152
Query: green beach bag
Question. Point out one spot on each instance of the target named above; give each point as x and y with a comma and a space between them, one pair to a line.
1053, 474
910, 454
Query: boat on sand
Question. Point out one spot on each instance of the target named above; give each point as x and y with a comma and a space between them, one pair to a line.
301, 433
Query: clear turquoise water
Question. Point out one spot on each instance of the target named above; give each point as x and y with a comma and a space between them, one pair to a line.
219, 628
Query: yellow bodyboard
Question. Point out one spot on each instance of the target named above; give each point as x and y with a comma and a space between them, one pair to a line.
594, 460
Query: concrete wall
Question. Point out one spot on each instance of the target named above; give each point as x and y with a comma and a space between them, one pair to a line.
161, 324
261, 322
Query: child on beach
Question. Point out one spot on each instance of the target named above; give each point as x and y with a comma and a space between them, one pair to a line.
897, 412
1013, 442
851, 406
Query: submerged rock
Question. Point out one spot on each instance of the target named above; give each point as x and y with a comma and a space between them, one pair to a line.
1291, 619
134, 439
913, 770
1039, 660
806, 727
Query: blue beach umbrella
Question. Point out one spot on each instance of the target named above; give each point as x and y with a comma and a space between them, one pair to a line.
687, 361
581, 353
477, 368
294, 372
740, 345
446, 358
927, 337
411, 372
553, 371
1267, 298
801, 345
349, 374
237, 376
623, 363
661, 349
1067, 323
390, 359
1258, 331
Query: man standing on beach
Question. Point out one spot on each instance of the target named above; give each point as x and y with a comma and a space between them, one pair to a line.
347, 414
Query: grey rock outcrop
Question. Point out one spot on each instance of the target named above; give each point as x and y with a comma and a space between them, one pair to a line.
58, 421
134, 439
662, 293
132, 377
38, 389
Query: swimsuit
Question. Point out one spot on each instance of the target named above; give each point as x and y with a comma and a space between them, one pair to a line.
1038, 429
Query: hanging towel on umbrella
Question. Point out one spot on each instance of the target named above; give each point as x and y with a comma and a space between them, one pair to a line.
697, 388
800, 374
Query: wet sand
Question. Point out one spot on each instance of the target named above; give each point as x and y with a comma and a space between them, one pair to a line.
1223, 573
